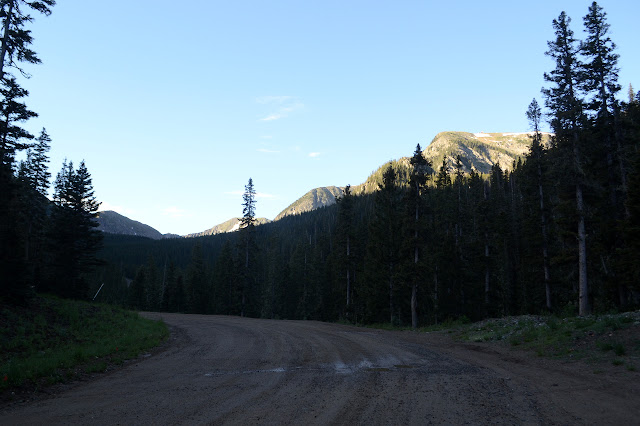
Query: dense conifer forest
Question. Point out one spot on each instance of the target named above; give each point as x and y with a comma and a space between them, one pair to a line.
559, 232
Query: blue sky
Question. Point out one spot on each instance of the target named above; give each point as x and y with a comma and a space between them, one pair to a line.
175, 105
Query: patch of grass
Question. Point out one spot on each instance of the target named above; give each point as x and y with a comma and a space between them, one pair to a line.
96, 367
605, 346
54, 339
593, 339
617, 362
596, 338
619, 349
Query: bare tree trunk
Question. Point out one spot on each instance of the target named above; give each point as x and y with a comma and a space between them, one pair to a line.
414, 288
246, 278
348, 274
545, 243
435, 295
486, 256
623, 170
486, 271
414, 306
583, 286
391, 293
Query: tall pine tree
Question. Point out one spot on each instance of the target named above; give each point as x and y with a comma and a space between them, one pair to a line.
566, 106
73, 237
248, 246
415, 205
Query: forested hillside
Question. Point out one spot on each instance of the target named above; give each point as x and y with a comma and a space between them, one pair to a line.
230, 225
316, 198
477, 151
114, 223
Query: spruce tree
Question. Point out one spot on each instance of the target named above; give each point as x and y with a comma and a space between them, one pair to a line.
13, 112
33, 176
247, 234
226, 282
536, 158
600, 68
566, 106
14, 48
383, 250
196, 283
73, 236
415, 204
15, 41
137, 292
345, 233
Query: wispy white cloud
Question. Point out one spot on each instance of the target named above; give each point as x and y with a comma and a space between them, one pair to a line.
281, 106
267, 150
314, 154
272, 117
273, 99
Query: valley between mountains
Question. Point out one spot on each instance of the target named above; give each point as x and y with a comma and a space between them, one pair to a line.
477, 151
232, 370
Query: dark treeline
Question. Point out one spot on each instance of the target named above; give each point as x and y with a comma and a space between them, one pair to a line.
45, 246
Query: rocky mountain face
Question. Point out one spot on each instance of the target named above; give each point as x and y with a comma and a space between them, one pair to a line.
115, 223
477, 151
316, 198
230, 225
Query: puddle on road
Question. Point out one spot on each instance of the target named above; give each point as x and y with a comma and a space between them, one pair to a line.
338, 367
227, 373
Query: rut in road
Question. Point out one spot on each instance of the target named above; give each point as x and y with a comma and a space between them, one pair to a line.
230, 370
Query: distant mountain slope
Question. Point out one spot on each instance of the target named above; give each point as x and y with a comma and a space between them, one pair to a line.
230, 225
316, 198
115, 223
478, 151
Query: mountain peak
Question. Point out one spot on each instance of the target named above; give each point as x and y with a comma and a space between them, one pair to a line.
314, 199
479, 151
115, 223
230, 225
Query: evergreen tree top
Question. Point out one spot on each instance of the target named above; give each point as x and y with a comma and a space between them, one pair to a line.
249, 205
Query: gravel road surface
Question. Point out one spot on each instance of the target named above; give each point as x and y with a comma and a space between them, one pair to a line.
230, 370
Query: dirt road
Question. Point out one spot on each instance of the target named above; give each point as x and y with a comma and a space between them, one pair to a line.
229, 370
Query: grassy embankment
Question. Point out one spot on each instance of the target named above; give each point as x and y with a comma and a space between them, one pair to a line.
596, 339
53, 340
